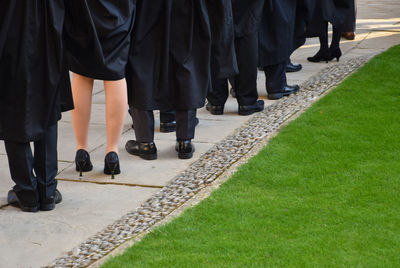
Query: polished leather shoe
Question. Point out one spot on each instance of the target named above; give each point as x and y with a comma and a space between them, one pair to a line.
293, 67
146, 150
185, 149
250, 109
111, 165
286, 91
47, 205
12, 199
168, 127
349, 35
215, 109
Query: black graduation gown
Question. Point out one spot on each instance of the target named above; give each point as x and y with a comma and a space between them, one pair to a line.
172, 41
247, 16
34, 81
304, 13
276, 34
327, 11
97, 34
350, 18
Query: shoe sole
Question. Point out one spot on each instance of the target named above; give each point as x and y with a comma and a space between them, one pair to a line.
185, 155
249, 112
214, 112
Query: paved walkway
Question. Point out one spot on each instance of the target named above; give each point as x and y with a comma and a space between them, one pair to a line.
94, 201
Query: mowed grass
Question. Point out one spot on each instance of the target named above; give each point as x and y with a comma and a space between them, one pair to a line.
324, 193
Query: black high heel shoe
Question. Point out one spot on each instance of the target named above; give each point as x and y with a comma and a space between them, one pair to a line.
322, 55
335, 53
111, 164
82, 162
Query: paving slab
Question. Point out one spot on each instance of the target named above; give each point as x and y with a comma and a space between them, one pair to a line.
95, 201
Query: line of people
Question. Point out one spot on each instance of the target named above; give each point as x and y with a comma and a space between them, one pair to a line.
162, 55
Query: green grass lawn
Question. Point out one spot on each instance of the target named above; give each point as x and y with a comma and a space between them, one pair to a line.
324, 193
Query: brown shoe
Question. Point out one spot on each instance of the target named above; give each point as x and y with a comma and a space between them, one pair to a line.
349, 35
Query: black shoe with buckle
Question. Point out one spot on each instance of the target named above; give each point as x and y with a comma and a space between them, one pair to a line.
250, 109
215, 109
146, 150
286, 91
168, 127
185, 149
293, 67
12, 199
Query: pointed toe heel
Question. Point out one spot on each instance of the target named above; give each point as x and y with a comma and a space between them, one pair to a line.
111, 165
82, 162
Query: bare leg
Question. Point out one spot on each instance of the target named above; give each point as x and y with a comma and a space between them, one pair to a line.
82, 88
116, 109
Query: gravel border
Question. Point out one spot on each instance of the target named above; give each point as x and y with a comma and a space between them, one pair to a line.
202, 173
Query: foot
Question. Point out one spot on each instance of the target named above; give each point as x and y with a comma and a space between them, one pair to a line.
322, 55
185, 149
215, 109
168, 127
111, 164
232, 92
50, 203
250, 109
293, 67
335, 53
349, 35
286, 91
12, 199
146, 150
82, 162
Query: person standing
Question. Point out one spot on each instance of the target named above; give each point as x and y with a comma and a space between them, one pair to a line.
246, 18
98, 36
34, 90
276, 40
349, 25
328, 11
169, 66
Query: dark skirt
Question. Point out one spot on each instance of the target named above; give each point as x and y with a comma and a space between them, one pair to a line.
34, 81
97, 34
169, 62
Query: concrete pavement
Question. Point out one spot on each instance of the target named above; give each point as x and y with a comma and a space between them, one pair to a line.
95, 201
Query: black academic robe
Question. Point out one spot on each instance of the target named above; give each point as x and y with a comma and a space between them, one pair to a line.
276, 34
97, 34
34, 80
247, 16
327, 11
349, 24
304, 13
172, 42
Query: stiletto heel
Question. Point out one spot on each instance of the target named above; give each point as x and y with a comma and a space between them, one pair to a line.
335, 53
111, 165
322, 55
82, 162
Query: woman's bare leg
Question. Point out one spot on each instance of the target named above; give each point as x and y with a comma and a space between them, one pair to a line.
82, 88
116, 109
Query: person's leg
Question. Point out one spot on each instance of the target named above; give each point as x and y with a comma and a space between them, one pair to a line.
82, 88
276, 82
143, 146
167, 121
246, 80
116, 108
46, 167
335, 51
185, 129
323, 53
20, 160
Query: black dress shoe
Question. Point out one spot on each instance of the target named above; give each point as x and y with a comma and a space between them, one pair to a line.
12, 199
168, 127
47, 205
111, 164
286, 91
82, 162
293, 67
215, 109
146, 150
185, 149
250, 109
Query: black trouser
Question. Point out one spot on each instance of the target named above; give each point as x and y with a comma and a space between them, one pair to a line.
246, 81
275, 77
143, 122
34, 188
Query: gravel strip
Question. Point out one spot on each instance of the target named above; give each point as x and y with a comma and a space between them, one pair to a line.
208, 168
